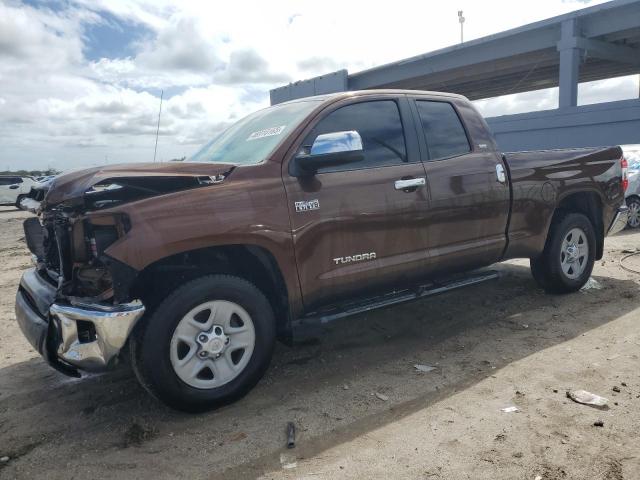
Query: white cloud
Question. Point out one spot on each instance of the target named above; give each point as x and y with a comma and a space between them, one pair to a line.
181, 46
608, 90
216, 62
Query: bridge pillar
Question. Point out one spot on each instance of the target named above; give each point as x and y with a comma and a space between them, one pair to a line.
570, 57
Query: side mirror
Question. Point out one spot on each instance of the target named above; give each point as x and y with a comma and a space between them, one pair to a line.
328, 150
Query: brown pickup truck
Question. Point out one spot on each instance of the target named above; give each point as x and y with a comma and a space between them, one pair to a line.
299, 214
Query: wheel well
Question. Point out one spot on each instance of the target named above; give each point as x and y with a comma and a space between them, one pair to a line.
634, 197
250, 262
590, 205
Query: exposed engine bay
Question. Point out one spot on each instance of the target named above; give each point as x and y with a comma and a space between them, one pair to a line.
69, 237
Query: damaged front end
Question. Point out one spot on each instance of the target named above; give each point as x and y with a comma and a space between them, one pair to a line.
71, 293
75, 306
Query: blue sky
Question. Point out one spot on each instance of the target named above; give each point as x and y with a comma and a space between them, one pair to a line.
113, 37
80, 79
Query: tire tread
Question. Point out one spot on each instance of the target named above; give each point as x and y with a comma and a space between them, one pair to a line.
146, 370
546, 271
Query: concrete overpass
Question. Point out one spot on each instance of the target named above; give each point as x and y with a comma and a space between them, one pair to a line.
590, 44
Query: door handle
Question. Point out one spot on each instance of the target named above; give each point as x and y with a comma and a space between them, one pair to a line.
410, 183
500, 176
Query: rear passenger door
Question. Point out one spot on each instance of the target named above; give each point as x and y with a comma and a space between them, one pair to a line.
469, 206
363, 232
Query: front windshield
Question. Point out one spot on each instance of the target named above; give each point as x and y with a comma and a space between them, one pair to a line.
252, 139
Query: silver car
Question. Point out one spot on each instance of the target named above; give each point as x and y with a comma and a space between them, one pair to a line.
632, 154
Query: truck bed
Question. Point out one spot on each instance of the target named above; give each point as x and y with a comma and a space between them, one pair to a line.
541, 179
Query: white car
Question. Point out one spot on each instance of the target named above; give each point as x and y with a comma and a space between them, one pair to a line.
14, 188
632, 154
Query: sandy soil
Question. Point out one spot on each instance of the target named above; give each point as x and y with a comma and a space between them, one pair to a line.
360, 407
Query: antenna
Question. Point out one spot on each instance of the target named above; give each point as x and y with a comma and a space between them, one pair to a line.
461, 20
158, 129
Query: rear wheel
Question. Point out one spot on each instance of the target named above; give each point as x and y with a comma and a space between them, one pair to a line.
205, 345
634, 212
569, 254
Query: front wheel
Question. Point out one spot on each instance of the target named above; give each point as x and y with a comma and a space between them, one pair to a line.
206, 344
634, 212
567, 261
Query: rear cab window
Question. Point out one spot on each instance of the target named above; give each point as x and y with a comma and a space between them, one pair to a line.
443, 130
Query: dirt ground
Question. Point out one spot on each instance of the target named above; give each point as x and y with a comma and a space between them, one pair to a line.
361, 408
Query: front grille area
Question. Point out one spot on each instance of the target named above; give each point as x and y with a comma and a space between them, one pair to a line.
62, 245
34, 236
42, 241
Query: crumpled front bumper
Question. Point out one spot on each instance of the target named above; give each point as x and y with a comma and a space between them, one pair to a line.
83, 336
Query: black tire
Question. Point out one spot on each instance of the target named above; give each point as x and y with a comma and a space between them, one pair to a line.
634, 206
547, 268
18, 200
150, 345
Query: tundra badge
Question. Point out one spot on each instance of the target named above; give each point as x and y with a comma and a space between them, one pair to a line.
355, 258
307, 205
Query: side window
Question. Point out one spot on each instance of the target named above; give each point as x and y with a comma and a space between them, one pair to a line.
379, 125
444, 131
7, 181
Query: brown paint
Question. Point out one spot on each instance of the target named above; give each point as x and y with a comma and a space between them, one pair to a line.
457, 221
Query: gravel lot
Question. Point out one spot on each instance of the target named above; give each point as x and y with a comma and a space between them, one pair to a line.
361, 408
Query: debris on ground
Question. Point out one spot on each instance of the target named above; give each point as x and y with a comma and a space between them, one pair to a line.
381, 396
234, 438
424, 368
345, 387
509, 409
616, 389
4, 459
598, 423
592, 284
288, 461
587, 398
291, 435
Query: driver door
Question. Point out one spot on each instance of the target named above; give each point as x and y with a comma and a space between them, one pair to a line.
356, 229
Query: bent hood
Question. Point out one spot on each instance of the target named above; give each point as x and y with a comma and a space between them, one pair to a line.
145, 179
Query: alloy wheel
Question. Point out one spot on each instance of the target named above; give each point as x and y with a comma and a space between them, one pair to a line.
574, 253
212, 344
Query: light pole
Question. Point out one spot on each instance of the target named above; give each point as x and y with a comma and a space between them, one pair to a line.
155, 150
461, 20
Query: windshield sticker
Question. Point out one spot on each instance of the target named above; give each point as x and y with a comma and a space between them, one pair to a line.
267, 132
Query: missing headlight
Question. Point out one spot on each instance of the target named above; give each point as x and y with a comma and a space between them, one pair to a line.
102, 238
104, 230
